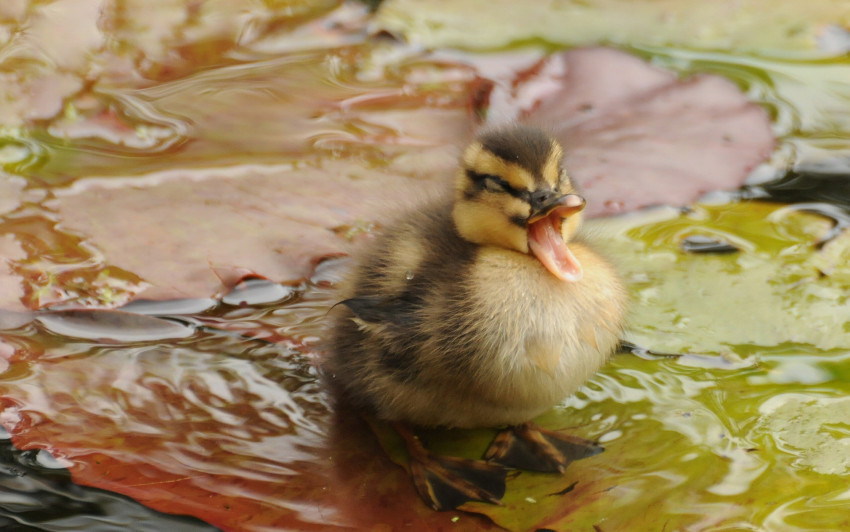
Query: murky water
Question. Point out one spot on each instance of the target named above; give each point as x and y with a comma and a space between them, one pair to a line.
210, 404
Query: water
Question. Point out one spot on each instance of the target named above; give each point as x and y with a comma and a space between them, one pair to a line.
39, 495
210, 404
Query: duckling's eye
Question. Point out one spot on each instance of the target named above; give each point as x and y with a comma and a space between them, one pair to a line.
494, 183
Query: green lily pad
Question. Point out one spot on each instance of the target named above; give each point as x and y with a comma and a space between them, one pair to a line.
774, 291
485, 24
814, 427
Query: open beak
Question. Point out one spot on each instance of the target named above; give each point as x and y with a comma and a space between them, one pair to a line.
566, 205
546, 242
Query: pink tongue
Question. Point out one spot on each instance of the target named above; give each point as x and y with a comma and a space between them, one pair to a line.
547, 244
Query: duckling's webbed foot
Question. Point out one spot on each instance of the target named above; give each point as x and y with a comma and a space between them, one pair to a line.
534, 448
446, 482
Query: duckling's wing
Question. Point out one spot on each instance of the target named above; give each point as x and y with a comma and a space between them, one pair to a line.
383, 311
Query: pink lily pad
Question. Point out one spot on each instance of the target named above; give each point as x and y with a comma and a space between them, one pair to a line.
636, 135
278, 223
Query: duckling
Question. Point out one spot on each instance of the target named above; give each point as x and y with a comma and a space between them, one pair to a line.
481, 309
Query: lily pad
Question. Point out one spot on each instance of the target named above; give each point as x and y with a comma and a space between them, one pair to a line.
773, 292
742, 25
812, 428
636, 135
275, 222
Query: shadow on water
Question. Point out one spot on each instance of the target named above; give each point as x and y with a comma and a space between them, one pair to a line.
36, 494
820, 190
804, 186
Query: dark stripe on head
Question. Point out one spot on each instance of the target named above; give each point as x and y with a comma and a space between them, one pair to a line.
525, 146
518, 220
481, 183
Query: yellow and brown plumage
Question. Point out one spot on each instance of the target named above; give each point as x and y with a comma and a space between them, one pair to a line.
483, 309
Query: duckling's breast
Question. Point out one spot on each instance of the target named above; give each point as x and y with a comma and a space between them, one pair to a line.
540, 338
462, 335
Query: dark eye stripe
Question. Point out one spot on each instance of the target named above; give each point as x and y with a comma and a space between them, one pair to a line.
480, 181
521, 221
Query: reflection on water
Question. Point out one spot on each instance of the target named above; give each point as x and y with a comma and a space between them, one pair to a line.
182, 414
231, 423
37, 493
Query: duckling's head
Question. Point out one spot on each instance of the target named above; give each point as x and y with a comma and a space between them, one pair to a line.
512, 192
